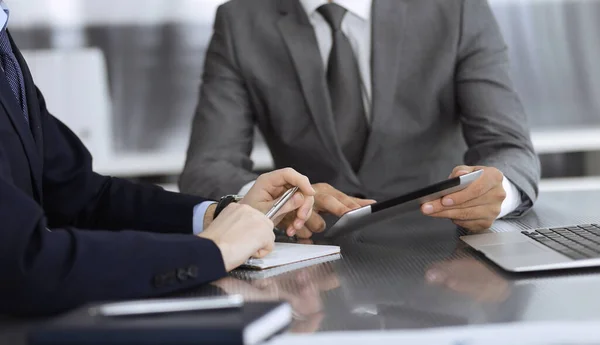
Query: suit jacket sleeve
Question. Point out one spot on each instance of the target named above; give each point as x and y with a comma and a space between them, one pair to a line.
76, 196
46, 272
218, 158
494, 121
83, 258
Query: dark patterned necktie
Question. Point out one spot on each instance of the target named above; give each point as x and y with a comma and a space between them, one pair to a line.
13, 72
343, 80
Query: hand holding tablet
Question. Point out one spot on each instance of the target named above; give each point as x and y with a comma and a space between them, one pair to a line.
408, 202
476, 208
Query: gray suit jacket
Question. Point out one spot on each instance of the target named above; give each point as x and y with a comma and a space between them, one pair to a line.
442, 97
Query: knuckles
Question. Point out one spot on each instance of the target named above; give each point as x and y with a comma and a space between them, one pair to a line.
459, 168
486, 224
501, 195
251, 214
322, 187
289, 171
305, 179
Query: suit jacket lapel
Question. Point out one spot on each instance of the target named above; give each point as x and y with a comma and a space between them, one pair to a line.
300, 39
388, 19
12, 108
32, 101
301, 42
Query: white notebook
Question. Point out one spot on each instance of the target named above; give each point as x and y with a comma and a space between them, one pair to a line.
289, 253
253, 274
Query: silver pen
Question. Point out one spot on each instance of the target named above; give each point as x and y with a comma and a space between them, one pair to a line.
157, 306
279, 203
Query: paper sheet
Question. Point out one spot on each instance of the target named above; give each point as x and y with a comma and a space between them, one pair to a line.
289, 253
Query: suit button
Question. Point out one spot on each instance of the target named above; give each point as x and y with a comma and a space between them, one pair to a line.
182, 274
193, 272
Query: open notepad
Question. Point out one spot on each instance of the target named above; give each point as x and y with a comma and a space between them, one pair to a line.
290, 253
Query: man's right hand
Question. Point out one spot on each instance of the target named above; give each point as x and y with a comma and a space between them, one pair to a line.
327, 200
241, 232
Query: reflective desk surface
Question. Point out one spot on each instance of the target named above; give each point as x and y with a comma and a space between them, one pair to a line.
411, 272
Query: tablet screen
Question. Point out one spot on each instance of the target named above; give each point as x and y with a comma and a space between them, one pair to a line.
432, 189
409, 201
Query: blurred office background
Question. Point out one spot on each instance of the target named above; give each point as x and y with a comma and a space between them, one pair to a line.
133, 68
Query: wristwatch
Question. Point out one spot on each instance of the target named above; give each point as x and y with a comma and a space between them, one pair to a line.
225, 201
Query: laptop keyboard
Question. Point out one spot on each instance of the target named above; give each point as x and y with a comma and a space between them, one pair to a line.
577, 242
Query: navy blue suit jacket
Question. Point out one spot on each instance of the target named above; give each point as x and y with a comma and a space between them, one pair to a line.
70, 236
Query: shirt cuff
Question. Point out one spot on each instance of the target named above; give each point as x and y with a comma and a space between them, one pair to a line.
199, 213
246, 188
512, 200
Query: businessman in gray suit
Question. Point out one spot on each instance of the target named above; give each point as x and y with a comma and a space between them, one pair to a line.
368, 98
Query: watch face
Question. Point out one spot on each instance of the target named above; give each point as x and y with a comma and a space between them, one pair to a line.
233, 197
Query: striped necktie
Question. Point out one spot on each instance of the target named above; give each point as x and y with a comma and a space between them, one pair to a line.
13, 72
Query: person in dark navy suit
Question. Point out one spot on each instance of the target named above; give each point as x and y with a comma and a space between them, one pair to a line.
69, 236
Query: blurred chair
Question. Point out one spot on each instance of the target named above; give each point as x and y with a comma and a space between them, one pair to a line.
75, 86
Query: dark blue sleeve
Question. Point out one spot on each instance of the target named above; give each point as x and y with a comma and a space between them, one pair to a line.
48, 271
76, 196
84, 258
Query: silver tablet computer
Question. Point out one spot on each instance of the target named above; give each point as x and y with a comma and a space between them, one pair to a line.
408, 202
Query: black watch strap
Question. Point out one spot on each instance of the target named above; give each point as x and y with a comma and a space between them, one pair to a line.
224, 202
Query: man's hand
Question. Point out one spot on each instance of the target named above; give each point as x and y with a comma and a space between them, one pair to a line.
269, 187
476, 207
240, 232
327, 200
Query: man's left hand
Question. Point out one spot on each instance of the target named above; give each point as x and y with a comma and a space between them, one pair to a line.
476, 207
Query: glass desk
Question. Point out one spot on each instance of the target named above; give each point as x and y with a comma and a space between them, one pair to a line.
412, 272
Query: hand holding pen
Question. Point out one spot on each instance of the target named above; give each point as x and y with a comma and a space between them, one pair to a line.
242, 230
271, 187
281, 202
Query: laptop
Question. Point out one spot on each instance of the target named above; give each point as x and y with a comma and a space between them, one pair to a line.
542, 249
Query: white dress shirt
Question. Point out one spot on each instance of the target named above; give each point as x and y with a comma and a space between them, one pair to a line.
357, 27
3, 16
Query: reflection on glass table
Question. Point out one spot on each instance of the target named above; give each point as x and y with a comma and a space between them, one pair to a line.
470, 277
301, 288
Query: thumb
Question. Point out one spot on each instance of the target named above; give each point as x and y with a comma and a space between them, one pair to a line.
461, 170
